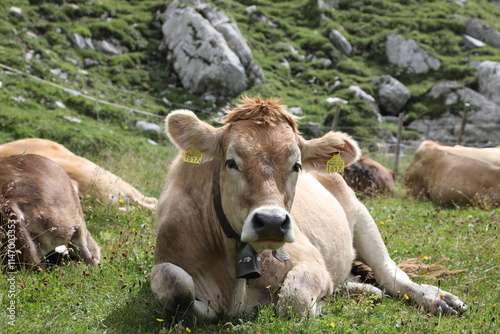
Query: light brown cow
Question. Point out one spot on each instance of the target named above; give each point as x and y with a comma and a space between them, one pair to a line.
85, 175
490, 154
370, 177
249, 204
455, 175
40, 212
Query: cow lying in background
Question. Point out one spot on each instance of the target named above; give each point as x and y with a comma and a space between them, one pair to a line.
85, 175
239, 224
455, 175
370, 177
40, 212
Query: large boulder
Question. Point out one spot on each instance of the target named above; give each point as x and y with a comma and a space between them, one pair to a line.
488, 78
407, 54
206, 50
483, 116
483, 32
393, 95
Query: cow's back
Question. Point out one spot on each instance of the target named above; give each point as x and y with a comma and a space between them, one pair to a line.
448, 178
370, 177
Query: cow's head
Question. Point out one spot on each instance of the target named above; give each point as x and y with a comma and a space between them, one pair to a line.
261, 154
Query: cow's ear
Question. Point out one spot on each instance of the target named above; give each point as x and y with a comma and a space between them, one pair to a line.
316, 152
190, 133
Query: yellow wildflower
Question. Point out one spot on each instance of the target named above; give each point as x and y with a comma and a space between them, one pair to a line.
425, 258
395, 251
405, 296
382, 223
121, 201
160, 320
389, 220
188, 330
332, 324
441, 294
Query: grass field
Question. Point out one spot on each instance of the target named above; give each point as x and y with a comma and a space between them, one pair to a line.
115, 297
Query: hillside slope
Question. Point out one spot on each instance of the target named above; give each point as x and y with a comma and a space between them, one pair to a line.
35, 39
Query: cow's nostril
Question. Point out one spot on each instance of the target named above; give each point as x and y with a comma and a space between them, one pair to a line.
286, 224
259, 221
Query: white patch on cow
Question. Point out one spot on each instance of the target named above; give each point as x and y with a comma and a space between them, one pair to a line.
62, 249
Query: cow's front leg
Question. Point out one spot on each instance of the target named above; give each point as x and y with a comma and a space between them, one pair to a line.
303, 288
371, 250
174, 289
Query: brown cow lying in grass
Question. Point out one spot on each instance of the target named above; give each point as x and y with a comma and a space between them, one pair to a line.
240, 224
85, 175
455, 175
40, 212
370, 177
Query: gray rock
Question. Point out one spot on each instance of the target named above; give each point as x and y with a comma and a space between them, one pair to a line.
393, 95
234, 39
336, 100
408, 55
148, 127
328, 4
200, 54
360, 94
166, 101
250, 9
81, 42
111, 47
472, 43
29, 55
340, 42
483, 32
296, 111
488, 77
60, 105
16, 11
312, 129
483, 117
88, 62
73, 119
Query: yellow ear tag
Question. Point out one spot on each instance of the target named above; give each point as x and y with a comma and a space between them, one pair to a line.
335, 164
193, 156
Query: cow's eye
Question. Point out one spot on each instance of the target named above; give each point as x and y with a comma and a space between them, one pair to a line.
230, 163
297, 167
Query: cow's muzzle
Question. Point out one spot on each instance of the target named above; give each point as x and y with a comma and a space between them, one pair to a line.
268, 226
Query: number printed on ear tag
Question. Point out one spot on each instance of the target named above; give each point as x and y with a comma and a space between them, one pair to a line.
335, 164
193, 156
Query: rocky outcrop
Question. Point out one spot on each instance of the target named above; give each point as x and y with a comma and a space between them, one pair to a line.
407, 54
393, 95
483, 116
483, 32
206, 50
488, 78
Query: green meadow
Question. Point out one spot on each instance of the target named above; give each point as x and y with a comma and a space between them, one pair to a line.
115, 296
